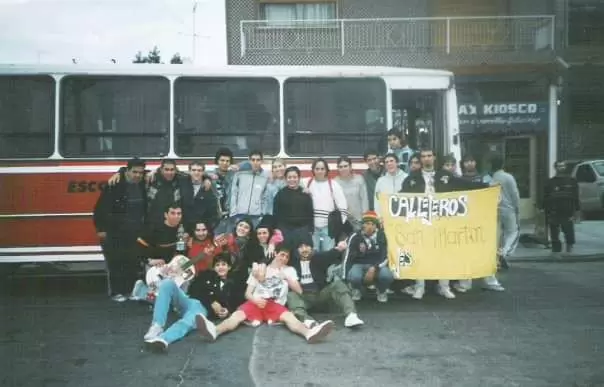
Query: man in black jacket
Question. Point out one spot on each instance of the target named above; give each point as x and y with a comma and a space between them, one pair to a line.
199, 201
367, 259
119, 216
316, 291
561, 207
430, 181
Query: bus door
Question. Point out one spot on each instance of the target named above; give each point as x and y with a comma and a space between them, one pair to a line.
420, 115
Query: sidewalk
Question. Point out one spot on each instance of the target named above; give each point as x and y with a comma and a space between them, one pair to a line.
589, 246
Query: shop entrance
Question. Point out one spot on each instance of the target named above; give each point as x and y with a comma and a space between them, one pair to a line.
520, 158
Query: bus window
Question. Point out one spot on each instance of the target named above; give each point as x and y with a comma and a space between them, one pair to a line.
27, 116
114, 116
239, 113
334, 116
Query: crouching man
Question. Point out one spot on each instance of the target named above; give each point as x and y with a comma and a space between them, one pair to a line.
317, 292
266, 295
367, 260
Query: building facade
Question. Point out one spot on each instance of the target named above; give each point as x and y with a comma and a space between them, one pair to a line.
521, 81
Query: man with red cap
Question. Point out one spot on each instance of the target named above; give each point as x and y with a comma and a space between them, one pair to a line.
366, 260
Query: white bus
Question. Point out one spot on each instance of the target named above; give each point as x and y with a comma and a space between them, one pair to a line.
65, 128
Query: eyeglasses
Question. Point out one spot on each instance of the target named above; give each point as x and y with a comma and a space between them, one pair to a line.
196, 170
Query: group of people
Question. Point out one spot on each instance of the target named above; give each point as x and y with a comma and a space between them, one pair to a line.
268, 246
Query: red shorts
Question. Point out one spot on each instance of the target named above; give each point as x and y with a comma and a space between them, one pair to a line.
271, 312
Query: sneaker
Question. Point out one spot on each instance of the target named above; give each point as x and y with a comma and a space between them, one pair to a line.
418, 293
253, 324
310, 323
459, 288
319, 332
119, 298
154, 331
389, 291
273, 323
410, 290
356, 295
156, 345
205, 327
382, 297
353, 320
371, 287
494, 287
139, 291
446, 292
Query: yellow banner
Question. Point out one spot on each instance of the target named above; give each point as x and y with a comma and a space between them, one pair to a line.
442, 236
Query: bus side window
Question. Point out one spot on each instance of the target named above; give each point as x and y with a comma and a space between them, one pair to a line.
117, 116
27, 115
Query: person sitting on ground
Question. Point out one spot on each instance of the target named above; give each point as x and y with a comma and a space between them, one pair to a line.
266, 296
210, 289
312, 267
367, 259
245, 250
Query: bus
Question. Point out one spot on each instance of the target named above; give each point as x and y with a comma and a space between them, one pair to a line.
64, 129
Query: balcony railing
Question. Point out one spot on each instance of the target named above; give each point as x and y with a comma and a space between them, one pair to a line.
447, 35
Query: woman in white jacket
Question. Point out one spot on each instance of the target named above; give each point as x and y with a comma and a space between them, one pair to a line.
391, 182
326, 194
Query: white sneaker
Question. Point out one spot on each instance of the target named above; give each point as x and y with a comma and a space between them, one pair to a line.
410, 290
139, 291
319, 332
273, 323
119, 298
205, 327
157, 345
418, 293
154, 331
446, 292
389, 291
382, 297
460, 288
356, 295
371, 287
353, 320
309, 323
494, 287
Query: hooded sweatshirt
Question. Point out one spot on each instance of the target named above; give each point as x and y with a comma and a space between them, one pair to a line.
388, 184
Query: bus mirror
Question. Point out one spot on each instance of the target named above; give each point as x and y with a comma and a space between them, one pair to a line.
455, 139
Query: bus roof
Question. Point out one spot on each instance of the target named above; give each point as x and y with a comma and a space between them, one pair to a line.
224, 71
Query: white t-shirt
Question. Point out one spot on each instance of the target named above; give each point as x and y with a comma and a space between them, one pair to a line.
272, 286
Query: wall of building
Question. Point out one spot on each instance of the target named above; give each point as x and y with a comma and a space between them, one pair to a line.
397, 50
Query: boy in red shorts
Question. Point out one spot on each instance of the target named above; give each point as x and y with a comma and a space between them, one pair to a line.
266, 295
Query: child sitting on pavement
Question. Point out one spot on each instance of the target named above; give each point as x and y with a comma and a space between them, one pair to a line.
266, 295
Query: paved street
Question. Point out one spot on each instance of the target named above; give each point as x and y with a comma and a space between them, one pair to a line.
546, 330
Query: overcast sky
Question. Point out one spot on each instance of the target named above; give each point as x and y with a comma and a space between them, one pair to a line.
94, 31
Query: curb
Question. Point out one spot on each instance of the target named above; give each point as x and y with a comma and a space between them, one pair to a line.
575, 258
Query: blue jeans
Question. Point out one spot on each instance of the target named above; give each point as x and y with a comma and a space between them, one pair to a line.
321, 239
356, 275
169, 293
